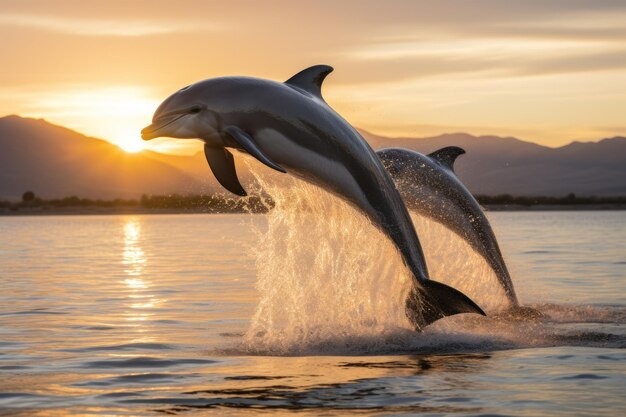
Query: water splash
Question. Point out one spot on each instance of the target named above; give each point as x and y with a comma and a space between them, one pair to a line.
324, 273
328, 278
452, 260
331, 283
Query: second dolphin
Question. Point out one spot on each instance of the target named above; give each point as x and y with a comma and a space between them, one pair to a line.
430, 187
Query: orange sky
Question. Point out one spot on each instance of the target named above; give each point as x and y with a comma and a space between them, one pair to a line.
547, 72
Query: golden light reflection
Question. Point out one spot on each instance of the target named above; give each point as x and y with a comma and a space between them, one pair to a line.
148, 304
138, 317
133, 257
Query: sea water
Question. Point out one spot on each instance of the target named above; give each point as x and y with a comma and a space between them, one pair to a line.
302, 310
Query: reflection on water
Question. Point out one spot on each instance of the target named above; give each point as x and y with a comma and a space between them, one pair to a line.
133, 255
132, 315
135, 264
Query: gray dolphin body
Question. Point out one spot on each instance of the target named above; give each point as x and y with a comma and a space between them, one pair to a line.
429, 186
289, 127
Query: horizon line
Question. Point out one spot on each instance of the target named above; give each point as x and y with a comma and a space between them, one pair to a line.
384, 137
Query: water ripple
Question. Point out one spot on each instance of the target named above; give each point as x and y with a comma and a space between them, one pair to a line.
144, 362
123, 347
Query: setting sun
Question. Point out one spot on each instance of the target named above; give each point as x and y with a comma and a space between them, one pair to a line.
116, 114
131, 144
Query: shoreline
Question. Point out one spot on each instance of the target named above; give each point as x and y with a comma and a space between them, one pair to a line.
71, 211
143, 210
554, 207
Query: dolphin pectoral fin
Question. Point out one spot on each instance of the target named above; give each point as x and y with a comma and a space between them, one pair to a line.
446, 156
310, 79
434, 301
247, 143
222, 164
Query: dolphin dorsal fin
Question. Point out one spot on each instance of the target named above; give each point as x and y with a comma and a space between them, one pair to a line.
446, 156
310, 79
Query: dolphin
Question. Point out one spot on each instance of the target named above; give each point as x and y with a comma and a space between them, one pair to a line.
290, 128
430, 187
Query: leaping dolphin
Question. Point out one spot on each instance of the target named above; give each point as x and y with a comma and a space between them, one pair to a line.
290, 128
429, 186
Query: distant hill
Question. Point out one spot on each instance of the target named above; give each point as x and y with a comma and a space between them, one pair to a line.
505, 165
56, 162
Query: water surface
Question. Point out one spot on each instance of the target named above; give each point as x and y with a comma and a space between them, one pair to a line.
151, 314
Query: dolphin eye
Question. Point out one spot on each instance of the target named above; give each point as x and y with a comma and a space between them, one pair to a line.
195, 109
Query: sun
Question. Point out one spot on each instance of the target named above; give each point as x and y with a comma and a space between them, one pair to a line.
131, 144
113, 113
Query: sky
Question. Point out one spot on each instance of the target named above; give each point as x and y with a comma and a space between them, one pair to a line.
549, 72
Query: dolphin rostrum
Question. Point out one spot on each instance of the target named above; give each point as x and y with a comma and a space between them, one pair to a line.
290, 128
429, 186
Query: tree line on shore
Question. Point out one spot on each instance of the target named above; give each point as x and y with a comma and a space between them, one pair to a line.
255, 204
205, 203
568, 200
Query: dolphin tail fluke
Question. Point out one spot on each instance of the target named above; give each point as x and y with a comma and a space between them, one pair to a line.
434, 301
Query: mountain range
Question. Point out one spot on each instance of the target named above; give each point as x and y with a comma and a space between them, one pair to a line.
55, 162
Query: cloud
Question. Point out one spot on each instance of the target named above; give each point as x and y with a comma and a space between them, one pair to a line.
567, 43
416, 67
591, 61
497, 64
574, 26
101, 27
